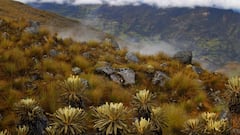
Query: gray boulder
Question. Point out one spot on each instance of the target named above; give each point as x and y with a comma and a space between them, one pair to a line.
53, 52
131, 57
184, 57
128, 76
117, 78
33, 27
76, 70
160, 78
107, 70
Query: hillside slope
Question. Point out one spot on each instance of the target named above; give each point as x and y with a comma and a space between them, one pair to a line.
39, 65
65, 27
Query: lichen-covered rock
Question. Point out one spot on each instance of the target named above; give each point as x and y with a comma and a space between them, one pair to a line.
184, 57
131, 57
128, 76
159, 78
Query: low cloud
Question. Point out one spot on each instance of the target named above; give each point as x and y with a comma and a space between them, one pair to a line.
225, 4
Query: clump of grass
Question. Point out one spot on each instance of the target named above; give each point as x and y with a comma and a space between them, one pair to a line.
50, 105
175, 123
54, 66
183, 86
81, 62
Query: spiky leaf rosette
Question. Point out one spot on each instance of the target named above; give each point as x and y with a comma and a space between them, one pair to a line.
142, 126
111, 118
234, 87
73, 91
158, 120
192, 127
22, 130
5, 132
50, 130
216, 127
207, 124
207, 116
31, 115
143, 103
234, 84
69, 121
25, 107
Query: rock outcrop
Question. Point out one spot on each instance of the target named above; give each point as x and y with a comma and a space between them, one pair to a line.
184, 57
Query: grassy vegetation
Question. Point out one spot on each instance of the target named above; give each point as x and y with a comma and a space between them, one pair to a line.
27, 71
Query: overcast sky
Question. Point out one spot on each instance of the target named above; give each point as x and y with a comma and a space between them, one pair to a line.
226, 4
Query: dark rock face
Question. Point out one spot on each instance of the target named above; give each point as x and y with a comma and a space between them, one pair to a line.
76, 70
184, 57
33, 27
159, 78
132, 57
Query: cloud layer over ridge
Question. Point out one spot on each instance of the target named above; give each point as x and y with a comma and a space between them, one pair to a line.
225, 4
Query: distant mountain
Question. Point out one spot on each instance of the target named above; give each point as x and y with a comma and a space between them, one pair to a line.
212, 34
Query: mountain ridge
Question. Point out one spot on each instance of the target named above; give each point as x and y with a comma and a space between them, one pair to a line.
211, 33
